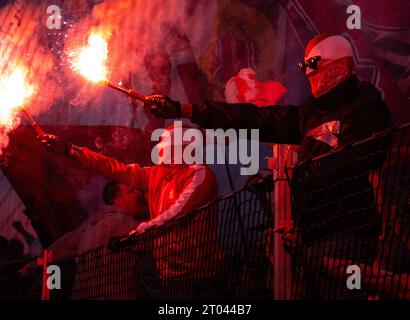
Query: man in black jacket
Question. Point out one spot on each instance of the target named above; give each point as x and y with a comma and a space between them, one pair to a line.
342, 110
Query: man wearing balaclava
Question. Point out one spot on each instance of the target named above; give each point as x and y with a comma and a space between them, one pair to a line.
341, 110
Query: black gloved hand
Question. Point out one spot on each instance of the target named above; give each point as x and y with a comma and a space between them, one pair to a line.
260, 182
55, 144
163, 106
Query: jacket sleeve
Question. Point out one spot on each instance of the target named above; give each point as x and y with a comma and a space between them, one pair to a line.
201, 187
131, 174
277, 124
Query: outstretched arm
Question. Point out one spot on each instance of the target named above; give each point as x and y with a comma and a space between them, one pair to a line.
131, 174
277, 124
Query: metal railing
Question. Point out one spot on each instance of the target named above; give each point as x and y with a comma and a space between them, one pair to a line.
217, 251
352, 223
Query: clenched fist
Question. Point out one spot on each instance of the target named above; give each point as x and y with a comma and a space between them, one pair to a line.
163, 107
55, 144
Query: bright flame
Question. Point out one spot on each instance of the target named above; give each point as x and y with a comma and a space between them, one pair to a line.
91, 59
13, 92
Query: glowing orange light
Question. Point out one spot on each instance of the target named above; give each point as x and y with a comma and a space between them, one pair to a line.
13, 92
91, 60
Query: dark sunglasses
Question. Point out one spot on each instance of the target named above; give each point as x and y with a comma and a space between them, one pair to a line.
309, 63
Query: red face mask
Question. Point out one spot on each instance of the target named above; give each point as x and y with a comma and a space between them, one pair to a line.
329, 74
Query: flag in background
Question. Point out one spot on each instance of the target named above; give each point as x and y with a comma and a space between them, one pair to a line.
245, 87
190, 50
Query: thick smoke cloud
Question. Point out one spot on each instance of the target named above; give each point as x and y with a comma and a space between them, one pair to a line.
22, 45
141, 37
149, 42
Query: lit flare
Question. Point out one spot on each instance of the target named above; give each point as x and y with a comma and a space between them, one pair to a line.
91, 60
13, 92
91, 64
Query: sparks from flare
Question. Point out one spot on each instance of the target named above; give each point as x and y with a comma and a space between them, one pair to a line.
90, 61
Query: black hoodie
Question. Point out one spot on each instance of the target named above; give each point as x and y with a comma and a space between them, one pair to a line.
352, 111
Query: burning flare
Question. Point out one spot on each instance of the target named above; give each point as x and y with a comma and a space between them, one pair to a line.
13, 92
91, 60
91, 64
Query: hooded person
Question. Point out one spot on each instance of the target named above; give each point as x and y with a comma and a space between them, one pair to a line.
341, 110
173, 189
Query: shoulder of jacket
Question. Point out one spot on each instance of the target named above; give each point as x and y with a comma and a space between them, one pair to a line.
205, 173
197, 167
118, 220
368, 88
138, 167
368, 98
201, 168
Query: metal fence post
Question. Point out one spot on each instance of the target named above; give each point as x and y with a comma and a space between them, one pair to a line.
283, 157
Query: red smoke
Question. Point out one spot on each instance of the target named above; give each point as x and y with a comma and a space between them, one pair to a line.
22, 46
